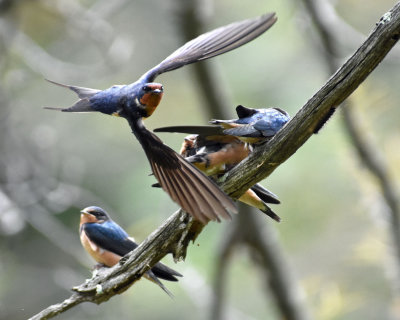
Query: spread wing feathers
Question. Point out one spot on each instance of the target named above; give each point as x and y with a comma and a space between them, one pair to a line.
110, 237
202, 130
264, 194
185, 184
193, 191
84, 94
213, 43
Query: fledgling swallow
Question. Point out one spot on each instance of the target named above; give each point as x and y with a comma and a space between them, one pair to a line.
254, 125
107, 243
193, 191
215, 154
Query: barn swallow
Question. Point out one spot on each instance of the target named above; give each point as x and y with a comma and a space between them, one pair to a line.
193, 191
254, 125
215, 153
107, 243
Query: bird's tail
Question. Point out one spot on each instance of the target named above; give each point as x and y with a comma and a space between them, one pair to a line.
162, 271
251, 198
82, 105
264, 194
149, 275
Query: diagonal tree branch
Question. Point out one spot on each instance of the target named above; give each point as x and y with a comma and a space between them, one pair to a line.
175, 234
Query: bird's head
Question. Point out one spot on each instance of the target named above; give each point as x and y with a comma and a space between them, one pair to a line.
188, 145
94, 214
149, 96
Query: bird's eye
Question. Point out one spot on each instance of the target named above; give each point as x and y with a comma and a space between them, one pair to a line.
146, 88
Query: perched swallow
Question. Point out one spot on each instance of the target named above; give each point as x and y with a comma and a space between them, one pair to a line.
193, 191
254, 125
215, 154
107, 243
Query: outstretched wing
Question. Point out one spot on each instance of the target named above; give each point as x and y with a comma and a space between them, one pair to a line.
213, 43
185, 184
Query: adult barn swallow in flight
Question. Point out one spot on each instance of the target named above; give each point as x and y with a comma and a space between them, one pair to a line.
107, 243
192, 190
215, 153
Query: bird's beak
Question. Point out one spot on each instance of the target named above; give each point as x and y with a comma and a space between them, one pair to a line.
86, 216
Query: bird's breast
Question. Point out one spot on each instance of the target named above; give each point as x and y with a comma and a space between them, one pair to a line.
151, 101
105, 257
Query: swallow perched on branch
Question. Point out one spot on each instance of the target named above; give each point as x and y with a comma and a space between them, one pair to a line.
193, 191
215, 153
254, 125
107, 243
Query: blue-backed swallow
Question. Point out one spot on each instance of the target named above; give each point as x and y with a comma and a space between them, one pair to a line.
215, 153
192, 190
254, 125
107, 243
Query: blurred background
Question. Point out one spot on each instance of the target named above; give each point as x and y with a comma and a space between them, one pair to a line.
335, 235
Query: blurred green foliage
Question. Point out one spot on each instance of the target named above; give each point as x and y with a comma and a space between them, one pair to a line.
54, 164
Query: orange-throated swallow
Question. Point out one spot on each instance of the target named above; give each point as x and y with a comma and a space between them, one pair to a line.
193, 191
215, 153
107, 243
